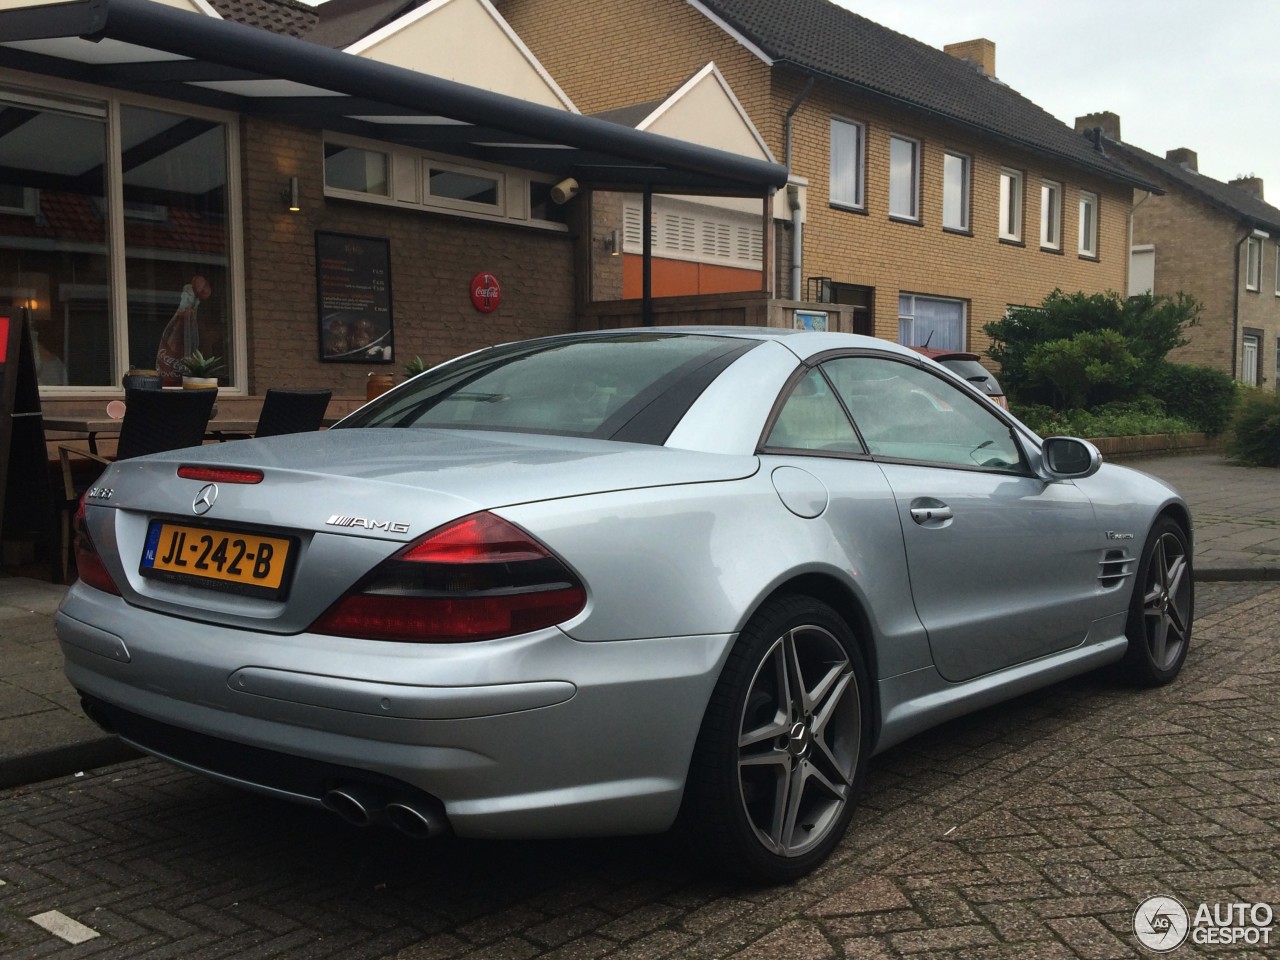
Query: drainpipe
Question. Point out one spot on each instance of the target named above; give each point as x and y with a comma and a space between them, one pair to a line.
793, 196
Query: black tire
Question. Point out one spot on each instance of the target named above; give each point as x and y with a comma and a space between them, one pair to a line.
1162, 609
793, 703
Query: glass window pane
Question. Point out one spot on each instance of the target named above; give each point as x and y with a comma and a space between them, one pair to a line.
902, 177
955, 192
1088, 224
846, 163
1010, 205
452, 185
54, 234
907, 413
811, 419
176, 244
352, 168
1050, 214
933, 321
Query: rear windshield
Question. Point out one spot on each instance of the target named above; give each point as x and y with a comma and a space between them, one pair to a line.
632, 386
975, 373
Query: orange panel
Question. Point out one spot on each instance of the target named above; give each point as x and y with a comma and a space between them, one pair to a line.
680, 278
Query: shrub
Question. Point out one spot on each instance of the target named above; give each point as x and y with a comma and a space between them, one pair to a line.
1205, 397
1078, 368
1149, 326
1255, 432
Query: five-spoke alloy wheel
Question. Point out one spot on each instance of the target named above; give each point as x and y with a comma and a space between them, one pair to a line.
1162, 608
783, 744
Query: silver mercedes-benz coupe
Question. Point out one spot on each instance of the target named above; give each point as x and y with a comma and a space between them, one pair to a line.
616, 582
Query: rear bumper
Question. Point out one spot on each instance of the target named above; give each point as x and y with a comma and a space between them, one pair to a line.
532, 736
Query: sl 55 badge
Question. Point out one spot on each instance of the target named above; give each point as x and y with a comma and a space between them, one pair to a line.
1112, 535
100, 493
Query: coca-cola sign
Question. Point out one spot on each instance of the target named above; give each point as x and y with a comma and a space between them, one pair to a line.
486, 293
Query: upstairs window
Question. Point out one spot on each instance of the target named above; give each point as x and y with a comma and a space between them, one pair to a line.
904, 178
1253, 264
356, 169
955, 192
848, 145
1011, 205
1088, 225
1050, 215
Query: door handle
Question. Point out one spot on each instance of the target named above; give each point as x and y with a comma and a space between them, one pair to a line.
927, 511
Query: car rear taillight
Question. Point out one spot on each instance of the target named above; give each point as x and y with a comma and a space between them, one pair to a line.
89, 565
477, 578
220, 474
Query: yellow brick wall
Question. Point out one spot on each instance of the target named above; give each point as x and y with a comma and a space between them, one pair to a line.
613, 53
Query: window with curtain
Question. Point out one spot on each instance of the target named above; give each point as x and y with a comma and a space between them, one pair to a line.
1050, 215
904, 178
1010, 205
955, 191
847, 147
1088, 225
934, 321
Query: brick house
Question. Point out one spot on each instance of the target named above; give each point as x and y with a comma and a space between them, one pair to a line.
1218, 242
929, 195
198, 153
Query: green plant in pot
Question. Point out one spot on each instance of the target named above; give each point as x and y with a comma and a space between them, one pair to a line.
200, 372
414, 367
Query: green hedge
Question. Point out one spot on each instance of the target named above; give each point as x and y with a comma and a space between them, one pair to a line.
1135, 418
1205, 397
1255, 432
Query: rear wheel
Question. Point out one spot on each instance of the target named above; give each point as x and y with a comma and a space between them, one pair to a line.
783, 745
1162, 608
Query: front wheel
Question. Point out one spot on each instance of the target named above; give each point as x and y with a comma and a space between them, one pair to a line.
1162, 608
783, 745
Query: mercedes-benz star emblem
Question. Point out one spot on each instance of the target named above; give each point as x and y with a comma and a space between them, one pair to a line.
205, 499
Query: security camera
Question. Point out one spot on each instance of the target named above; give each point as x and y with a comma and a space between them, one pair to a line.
565, 190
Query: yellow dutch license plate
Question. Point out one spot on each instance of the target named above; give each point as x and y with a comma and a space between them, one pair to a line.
235, 560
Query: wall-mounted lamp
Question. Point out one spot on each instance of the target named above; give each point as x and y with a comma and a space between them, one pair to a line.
290, 196
613, 244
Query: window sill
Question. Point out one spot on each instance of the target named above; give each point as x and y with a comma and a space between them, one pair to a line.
1056, 251
1094, 258
958, 231
1012, 241
909, 221
863, 211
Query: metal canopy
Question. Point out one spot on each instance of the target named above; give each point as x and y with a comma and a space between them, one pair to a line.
146, 47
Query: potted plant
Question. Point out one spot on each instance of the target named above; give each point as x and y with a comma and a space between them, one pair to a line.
200, 372
414, 367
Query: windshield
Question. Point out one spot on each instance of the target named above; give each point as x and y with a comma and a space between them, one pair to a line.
626, 386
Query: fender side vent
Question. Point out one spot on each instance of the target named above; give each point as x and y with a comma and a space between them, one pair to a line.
1115, 568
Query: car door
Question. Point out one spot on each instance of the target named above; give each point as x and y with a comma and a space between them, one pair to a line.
1002, 564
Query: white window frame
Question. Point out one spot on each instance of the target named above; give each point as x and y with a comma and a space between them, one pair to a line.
453, 203
1253, 264
1277, 252
966, 167
77, 98
351, 144
858, 200
907, 312
1011, 203
1088, 246
27, 208
913, 187
1050, 215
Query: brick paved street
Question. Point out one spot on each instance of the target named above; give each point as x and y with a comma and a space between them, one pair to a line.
1030, 830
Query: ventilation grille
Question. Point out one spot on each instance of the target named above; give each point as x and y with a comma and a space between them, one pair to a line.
1115, 568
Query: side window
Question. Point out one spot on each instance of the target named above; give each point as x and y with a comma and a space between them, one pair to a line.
906, 413
811, 419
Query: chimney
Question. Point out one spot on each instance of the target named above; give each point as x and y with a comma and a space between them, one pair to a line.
1184, 158
981, 53
1106, 120
1250, 183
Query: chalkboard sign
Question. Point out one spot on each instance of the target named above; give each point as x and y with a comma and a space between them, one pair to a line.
25, 505
353, 298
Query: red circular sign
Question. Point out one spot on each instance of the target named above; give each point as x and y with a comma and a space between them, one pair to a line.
486, 294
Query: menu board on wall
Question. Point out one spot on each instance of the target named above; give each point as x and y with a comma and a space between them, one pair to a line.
353, 298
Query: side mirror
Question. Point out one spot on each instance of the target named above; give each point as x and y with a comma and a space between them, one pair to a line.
1066, 458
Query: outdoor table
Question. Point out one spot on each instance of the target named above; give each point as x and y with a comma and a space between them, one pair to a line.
217, 429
